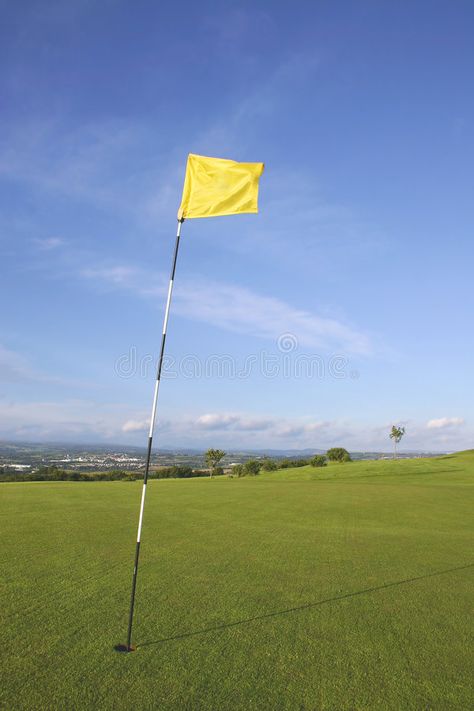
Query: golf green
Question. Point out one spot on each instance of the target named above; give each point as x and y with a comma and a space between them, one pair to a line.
342, 588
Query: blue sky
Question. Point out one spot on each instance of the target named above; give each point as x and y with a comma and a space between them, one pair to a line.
343, 307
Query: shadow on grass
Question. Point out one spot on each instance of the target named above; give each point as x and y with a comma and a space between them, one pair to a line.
307, 606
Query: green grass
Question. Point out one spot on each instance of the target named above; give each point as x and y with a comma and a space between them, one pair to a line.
344, 588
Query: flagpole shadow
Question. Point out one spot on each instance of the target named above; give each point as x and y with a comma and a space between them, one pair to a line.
307, 606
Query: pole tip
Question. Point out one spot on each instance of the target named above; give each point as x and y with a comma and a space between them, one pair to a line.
125, 648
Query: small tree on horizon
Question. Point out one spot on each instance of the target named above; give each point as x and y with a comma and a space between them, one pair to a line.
338, 454
319, 460
269, 465
396, 435
213, 458
252, 467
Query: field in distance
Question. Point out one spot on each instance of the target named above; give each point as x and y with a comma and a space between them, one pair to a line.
342, 588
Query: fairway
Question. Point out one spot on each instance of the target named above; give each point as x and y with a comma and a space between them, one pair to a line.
343, 588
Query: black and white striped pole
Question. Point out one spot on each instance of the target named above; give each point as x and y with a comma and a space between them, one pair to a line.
129, 647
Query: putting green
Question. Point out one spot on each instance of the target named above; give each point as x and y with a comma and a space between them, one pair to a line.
344, 588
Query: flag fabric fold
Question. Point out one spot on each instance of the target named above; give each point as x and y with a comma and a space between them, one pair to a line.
216, 186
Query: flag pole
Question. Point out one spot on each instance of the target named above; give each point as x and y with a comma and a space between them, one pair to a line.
129, 647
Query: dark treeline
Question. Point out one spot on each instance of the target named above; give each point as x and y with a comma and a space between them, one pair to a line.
252, 467
270, 465
55, 474
291, 463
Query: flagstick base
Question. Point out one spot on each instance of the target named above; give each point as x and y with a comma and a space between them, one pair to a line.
124, 648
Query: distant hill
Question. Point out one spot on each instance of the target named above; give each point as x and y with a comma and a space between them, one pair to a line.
11, 448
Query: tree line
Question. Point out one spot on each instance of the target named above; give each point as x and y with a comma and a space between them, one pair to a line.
254, 466
53, 473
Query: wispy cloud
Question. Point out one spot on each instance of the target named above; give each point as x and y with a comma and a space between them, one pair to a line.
127, 168
17, 368
49, 243
71, 419
241, 310
118, 275
94, 163
257, 102
444, 423
14, 367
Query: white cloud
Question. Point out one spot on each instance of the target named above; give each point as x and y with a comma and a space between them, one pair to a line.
301, 430
135, 425
95, 421
444, 422
217, 421
266, 431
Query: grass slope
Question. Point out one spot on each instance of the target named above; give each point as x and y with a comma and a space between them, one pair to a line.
346, 588
461, 463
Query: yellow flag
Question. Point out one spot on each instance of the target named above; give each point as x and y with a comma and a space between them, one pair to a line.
215, 186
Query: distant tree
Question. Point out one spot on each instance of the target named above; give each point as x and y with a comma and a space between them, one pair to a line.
173, 472
319, 460
52, 473
101, 476
238, 470
252, 467
117, 474
132, 476
200, 472
213, 458
268, 465
292, 463
338, 454
396, 435
75, 476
